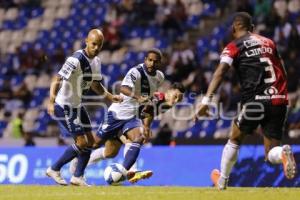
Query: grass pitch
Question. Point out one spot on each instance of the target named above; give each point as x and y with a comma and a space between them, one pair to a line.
16, 192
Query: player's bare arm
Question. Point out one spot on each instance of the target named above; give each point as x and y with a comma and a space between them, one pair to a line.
147, 127
55, 84
212, 88
101, 90
128, 91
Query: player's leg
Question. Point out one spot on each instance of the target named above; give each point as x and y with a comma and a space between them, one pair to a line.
246, 122
82, 160
133, 130
136, 138
72, 151
229, 158
110, 150
273, 127
127, 144
85, 144
105, 134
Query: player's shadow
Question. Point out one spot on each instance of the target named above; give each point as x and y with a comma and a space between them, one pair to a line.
258, 173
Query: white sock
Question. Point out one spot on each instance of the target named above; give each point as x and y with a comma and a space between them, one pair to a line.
96, 156
134, 166
229, 157
275, 155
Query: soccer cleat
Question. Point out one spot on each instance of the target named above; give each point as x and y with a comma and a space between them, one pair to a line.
55, 175
78, 181
288, 161
130, 175
218, 181
73, 165
139, 175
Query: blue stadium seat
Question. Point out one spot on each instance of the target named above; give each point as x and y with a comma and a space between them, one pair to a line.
137, 32
209, 9
219, 32
20, 23
3, 125
7, 24
130, 58
223, 123
17, 80
152, 31
44, 116
40, 128
141, 56
209, 126
36, 12
214, 45
193, 21
24, 13
155, 124
161, 43
196, 128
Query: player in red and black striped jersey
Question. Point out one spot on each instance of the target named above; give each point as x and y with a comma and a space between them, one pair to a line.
263, 97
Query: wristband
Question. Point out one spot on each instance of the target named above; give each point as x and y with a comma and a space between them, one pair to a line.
206, 100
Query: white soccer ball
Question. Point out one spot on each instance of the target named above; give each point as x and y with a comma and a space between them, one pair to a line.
114, 174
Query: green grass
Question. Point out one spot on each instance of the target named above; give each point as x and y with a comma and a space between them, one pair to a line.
16, 192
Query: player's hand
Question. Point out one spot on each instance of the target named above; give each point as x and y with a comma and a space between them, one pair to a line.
201, 111
50, 108
143, 99
147, 134
116, 98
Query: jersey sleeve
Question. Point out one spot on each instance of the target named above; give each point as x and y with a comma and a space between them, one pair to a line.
97, 76
70, 65
131, 78
229, 53
161, 78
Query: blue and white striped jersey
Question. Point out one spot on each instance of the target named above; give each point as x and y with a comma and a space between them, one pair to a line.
78, 72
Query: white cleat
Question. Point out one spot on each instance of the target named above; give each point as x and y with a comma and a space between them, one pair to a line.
55, 175
73, 165
79, 181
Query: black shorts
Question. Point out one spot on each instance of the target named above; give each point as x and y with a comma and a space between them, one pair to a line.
271, 118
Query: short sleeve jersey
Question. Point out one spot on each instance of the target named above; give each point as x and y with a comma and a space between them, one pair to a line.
133, 79
258, 65
77, 72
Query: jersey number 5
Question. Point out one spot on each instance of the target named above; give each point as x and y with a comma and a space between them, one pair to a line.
269, 68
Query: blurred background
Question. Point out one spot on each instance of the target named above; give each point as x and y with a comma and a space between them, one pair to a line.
36, 36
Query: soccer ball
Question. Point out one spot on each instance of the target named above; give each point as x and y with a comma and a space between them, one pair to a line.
114, 174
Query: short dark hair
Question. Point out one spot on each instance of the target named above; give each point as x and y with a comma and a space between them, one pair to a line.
178, 86
244, 19
155, 51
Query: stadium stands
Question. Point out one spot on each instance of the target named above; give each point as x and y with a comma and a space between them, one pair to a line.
35, 39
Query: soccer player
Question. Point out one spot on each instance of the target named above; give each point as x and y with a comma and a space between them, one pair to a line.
160, 102
80, 72
263, 97
137, 87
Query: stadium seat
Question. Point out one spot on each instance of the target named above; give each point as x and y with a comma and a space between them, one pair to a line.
3, 125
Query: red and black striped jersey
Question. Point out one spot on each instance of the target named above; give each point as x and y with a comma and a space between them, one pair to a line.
259, 68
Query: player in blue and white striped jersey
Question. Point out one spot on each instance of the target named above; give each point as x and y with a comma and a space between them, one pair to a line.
137, 87
80, 72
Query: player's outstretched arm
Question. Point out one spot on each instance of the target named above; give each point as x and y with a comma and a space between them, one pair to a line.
212, 88
54, 87
101, 90
147, 127
128, 91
